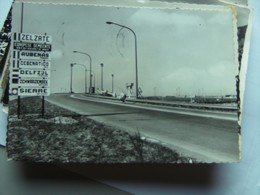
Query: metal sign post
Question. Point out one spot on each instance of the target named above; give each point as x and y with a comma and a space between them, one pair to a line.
43, 105
19, 98
30, 72
31, 66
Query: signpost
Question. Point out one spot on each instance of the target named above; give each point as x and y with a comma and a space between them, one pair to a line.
34, 38
31, 55
31, 66
44, 82
36, 91
32, 46
35, 64
34, 73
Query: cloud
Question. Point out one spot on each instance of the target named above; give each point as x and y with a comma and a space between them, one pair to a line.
162, 17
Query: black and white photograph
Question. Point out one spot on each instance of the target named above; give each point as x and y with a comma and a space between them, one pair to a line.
124, 84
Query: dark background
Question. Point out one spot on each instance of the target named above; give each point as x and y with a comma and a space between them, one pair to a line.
238, 178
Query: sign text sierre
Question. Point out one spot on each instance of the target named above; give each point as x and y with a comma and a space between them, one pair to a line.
33, 91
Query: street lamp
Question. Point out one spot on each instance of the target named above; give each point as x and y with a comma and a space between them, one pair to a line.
94, 74
90, 65
85, 76
112, 83
102, 65
136, 67
71, 66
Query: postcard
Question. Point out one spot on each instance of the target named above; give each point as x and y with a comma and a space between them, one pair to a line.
132, 83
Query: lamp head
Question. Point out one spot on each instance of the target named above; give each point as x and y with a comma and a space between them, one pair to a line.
108, 22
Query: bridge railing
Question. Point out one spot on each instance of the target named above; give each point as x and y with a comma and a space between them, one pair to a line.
199, 106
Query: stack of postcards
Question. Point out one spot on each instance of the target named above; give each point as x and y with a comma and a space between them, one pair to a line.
99, 81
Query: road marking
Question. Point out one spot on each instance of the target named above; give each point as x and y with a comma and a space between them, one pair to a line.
230, 118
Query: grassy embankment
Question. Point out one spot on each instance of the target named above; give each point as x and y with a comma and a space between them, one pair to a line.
65, 136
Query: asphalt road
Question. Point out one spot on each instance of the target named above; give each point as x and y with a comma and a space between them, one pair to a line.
206, 136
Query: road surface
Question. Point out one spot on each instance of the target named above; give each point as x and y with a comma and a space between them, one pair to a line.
205, 135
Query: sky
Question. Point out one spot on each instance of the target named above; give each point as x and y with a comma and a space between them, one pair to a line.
180, 52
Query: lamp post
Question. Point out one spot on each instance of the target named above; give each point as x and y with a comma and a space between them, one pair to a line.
112, 83
94, 74
71, 66
136, 67
90, 69
102, 65
85, 76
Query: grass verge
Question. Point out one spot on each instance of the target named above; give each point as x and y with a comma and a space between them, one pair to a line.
65, 136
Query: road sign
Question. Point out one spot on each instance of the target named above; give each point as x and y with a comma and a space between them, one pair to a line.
34, 73
31, 82
30, 73
24, 37
26, 91
33, 64
14, 73
31, 55
32, 46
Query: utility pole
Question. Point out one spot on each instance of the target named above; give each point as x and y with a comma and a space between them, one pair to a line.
112, 83
135, 41
102, 65
90, 65
71, 66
